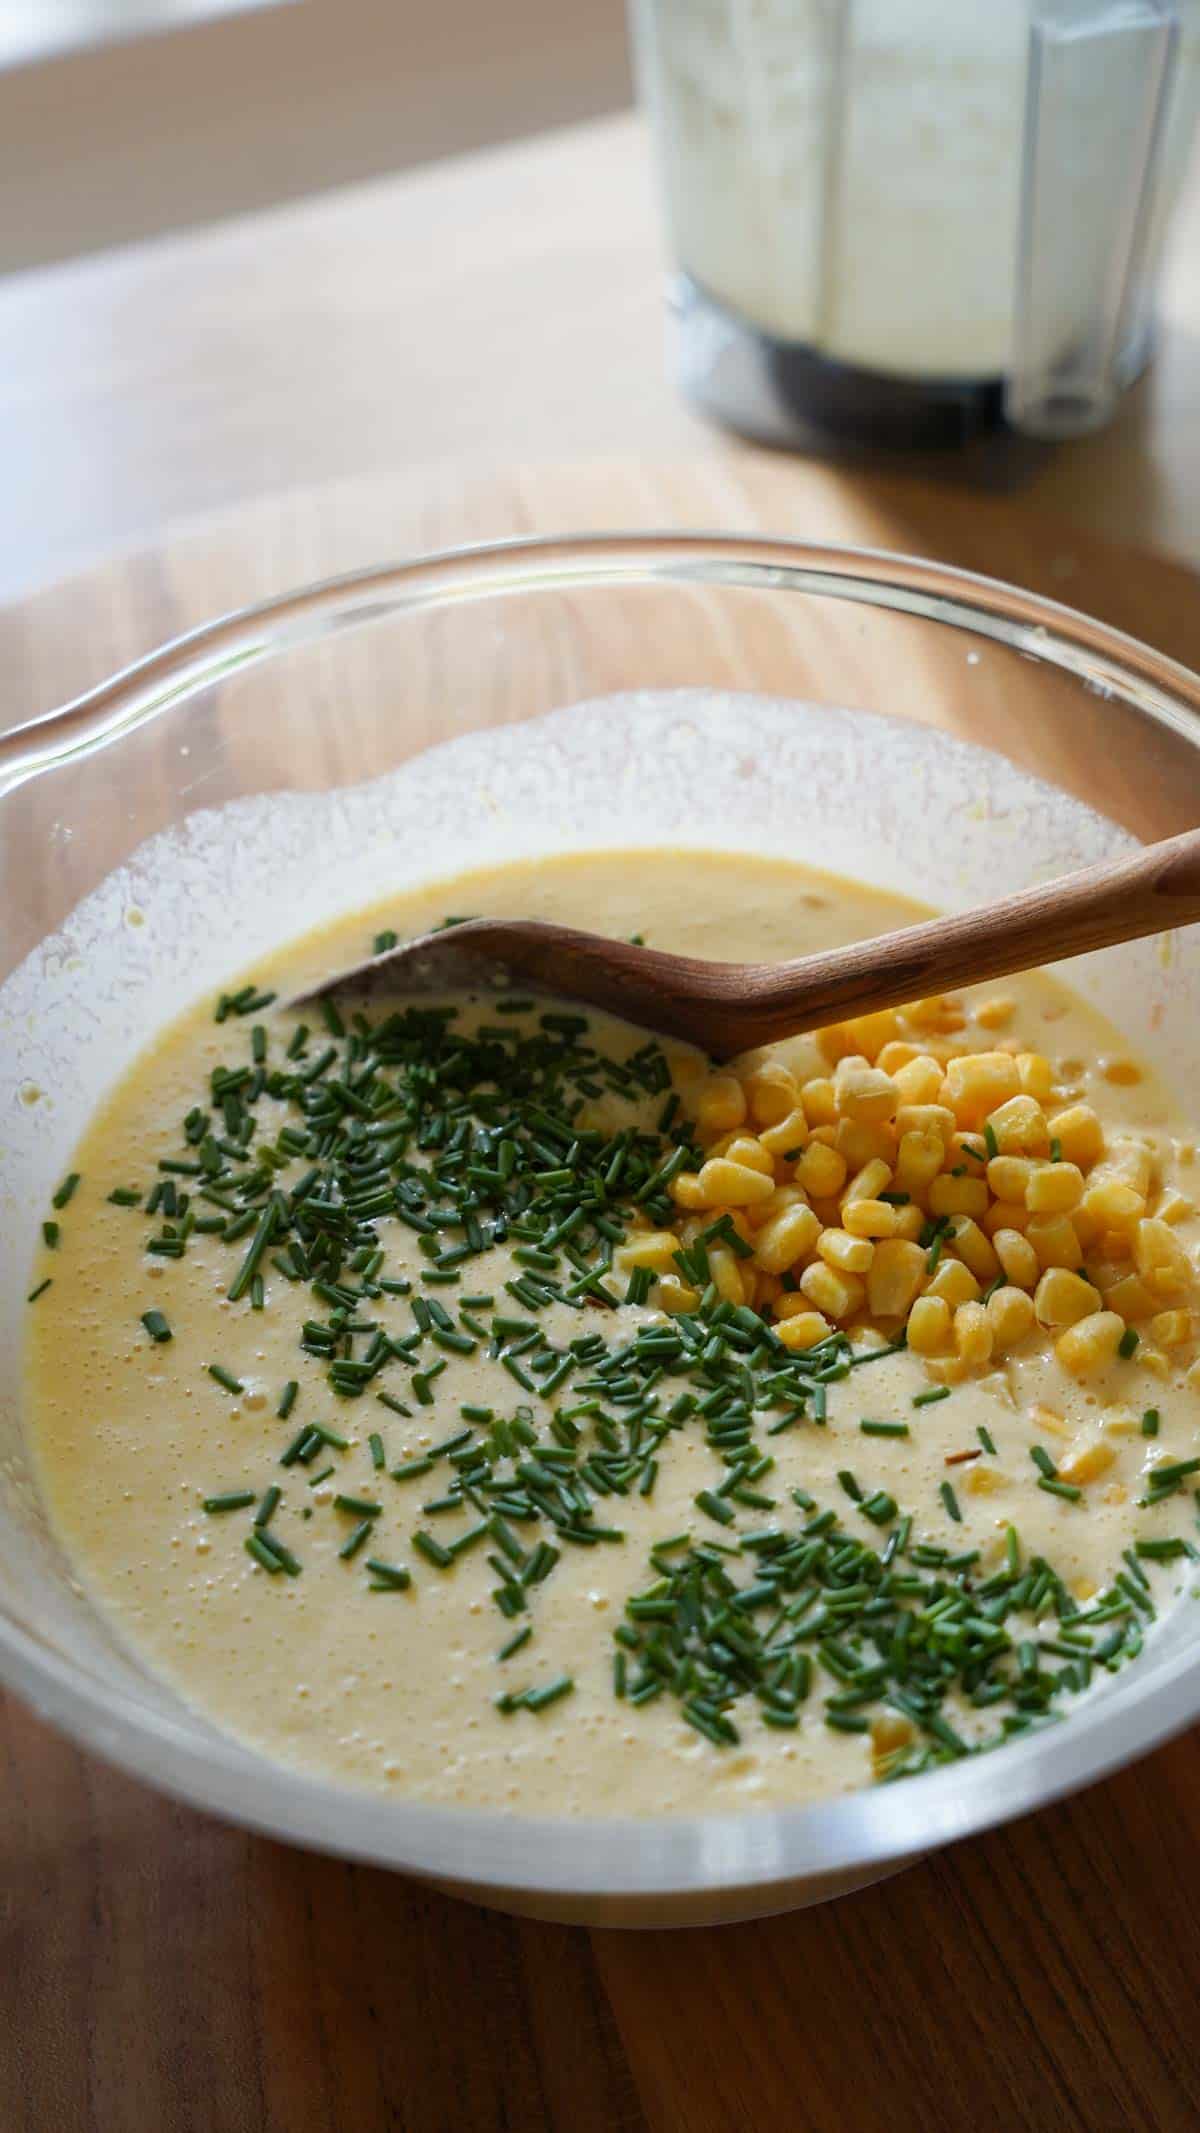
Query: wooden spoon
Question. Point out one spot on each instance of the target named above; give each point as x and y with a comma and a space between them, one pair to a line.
726, 1008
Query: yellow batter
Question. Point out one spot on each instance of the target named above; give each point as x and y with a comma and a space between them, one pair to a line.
396, 1689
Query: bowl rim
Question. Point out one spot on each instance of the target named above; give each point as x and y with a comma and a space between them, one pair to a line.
1095, 652
502, 1850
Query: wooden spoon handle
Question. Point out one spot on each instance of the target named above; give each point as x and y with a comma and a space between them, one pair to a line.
1148, 891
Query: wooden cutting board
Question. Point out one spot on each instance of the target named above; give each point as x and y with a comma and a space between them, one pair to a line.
160, 1970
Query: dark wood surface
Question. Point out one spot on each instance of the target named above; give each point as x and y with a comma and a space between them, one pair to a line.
161, 1971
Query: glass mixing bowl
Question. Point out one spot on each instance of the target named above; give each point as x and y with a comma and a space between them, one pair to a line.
207, 803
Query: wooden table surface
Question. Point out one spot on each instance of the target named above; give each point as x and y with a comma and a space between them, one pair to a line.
505, 306
160, 1970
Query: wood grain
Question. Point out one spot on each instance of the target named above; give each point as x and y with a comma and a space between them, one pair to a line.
507, 304
159, 1970
726, 1008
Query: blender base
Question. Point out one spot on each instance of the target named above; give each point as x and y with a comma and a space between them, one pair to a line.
784, 393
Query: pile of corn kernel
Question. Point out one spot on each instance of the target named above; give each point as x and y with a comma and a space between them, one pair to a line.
834, 1155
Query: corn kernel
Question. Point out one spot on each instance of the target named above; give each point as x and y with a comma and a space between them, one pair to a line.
719, 1103
803, 1329
1171, 1206
928, 1118
1019, 1127
1154, 1360
929, 1325
1079, 1134
910, 1221
973, 1247
771, 1092
937, 1010
1120, 1423
1006, 1214
744, 1148
1035, 1074
1017, 1257
918, 1160
1133, 1163
973, 1335
1160, 1258
995, 1013
954, 1283
788, 1137
1049, 1421
1055, 1240
1123, 1073
957, 1196
1171, 1329
839, 1294
1091, 1344
977, 1082
821, 1170
984, 1480
726, 1274
918, 1080
869, 1218
864, 1093
1086, 1460
869, 1033
789, 1237
874, 1177
1114, 1243
819, 1101
1111, 1203
897, 1053
861, 1144
852, 1254
889, 1731
726, 1184
1011, 1317
686, 1190
895, 1276
784, 1196
1130, 1297
674, 1295
1054, 1189
1009, 1176
1061, 1298
655, 1248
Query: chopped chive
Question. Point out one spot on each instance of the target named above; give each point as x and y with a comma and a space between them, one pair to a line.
884, 1429
40, 1289
287, 1399
1128, 1342
50, 1235
387, 1577
951, 1502
66, 1190
934, 1392
156, 1326
232, 1500
432, 1549
225, 1378
1150, 1422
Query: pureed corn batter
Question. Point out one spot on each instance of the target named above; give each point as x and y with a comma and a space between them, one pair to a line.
507, 1408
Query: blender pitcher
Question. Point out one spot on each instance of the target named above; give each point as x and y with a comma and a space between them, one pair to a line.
909, 221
